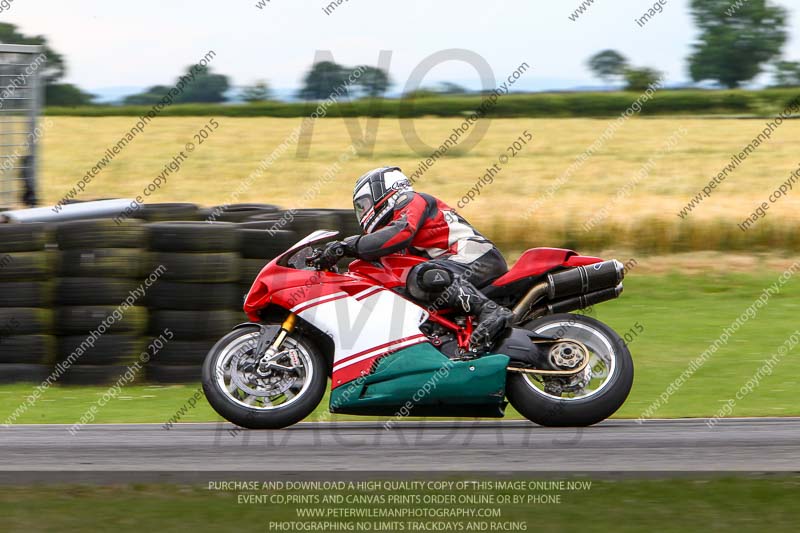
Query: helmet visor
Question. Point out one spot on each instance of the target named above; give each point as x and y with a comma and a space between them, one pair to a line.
362, 205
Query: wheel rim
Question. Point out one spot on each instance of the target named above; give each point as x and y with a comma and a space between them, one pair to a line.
237, 379
598, 373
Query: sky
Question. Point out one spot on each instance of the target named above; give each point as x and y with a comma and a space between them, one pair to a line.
113, 44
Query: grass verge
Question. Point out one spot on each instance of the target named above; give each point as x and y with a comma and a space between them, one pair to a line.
674, 505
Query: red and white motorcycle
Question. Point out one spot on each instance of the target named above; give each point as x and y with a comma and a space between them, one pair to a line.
388, 355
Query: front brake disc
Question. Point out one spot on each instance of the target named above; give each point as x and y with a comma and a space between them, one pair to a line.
270, 388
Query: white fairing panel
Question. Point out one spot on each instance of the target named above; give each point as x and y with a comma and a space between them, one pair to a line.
364, 327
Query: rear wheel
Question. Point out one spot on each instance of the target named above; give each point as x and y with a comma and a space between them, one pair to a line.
285, 393
586, 398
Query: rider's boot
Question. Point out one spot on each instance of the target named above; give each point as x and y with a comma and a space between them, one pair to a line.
493, 319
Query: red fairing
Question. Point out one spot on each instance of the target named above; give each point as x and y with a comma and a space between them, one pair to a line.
537, 261
581, 260
291, 288
394, 270
288, 287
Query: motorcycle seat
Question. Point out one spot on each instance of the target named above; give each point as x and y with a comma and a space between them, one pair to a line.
534, 263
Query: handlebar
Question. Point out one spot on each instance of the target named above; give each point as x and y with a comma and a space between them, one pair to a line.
313, 259
319, 260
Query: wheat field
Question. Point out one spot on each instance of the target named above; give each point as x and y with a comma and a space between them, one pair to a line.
626, 193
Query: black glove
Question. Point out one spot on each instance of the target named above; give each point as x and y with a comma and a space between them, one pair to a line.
351, 245
333, 252
330, 255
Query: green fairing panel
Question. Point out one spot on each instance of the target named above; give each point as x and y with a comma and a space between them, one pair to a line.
420, 381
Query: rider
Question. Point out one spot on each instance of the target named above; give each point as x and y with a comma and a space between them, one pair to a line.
395, 218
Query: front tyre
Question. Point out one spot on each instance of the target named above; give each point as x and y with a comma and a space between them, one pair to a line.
582, 400
287, 393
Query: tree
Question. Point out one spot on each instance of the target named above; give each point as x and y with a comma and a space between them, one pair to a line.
66, 94
322, 80
54, 69
422, 92
373, 81
258, 92
734, 45
205, 87
151, 96
448, 87
787, 74
639, 79
608, 65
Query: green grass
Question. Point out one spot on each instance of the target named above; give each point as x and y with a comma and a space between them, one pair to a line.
679, 317
675, 505
564, 104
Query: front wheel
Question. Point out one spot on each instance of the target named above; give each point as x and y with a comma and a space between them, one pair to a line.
586, 398
287, 392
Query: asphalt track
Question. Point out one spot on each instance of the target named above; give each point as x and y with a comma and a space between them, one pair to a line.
683, 445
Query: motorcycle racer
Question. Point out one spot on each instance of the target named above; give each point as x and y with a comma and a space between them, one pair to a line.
395, 218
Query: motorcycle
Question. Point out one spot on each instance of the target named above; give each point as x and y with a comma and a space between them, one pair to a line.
388, 355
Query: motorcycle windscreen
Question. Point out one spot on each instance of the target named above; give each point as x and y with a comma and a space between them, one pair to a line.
315, 237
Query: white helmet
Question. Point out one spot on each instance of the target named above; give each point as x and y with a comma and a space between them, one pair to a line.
375, 195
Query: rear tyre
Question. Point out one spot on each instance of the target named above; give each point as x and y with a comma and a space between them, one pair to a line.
280, 399
608, 376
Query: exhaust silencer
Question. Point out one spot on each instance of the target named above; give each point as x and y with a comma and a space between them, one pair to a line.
584, 280
584, 300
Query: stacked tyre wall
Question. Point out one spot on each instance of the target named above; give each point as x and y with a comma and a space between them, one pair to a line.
100, 313
198, 299
83, 300
27, 341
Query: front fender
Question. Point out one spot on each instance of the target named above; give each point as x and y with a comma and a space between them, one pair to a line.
270, 331
245, 325
319, 339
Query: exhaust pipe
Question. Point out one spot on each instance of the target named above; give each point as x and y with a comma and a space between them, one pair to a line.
584, 280
524, 306
575, 288
584, 300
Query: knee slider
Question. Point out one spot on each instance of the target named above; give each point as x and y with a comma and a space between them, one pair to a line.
435, 279
425, 281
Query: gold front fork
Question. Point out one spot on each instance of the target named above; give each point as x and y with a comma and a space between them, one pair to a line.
286, 328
